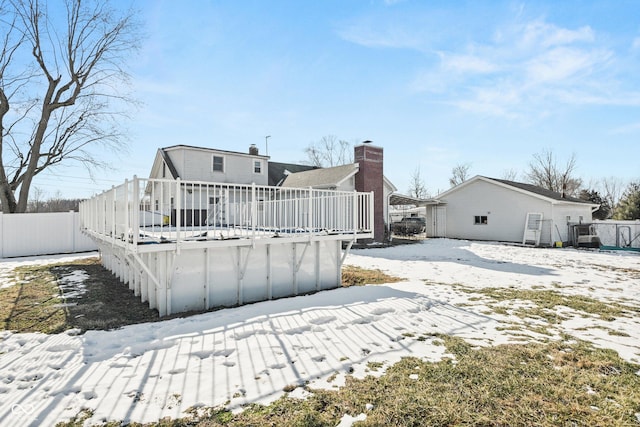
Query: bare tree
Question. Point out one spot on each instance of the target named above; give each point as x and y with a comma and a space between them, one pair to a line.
37, 200
417, 187
459, 173
329, 151
612, 189
510, 174
60, 86
545, 172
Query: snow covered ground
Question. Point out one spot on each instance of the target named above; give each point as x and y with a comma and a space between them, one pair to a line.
250, 354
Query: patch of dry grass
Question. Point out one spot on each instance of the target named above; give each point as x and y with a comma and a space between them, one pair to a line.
357, 276
37, 304
33, 303
547, 302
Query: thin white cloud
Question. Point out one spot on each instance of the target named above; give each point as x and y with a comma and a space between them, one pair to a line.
542, 34
468, 64
563, 63
391, 36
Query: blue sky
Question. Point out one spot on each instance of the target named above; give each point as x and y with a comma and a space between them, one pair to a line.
435, 83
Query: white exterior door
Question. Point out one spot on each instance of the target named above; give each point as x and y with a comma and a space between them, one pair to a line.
439, 221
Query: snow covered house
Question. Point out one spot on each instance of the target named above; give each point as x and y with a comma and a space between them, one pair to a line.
484, 208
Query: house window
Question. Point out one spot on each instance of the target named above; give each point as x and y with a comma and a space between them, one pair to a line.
157, 206
164, 170
568, 218
218, 164
480, 220
257, 166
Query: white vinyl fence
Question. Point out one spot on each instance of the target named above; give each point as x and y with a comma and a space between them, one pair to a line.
618, 234
42, 234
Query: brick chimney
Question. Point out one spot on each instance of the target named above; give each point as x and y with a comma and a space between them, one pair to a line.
370, 178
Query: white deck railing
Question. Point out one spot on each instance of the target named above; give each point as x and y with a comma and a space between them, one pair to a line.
144, 211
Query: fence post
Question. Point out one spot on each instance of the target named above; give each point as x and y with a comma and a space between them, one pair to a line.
372, 214
310, 213
136, 212
355, 213
114, 208
178, 199
254, 212
74, 225
126, 211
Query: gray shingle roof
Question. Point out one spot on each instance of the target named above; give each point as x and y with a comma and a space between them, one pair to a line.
325, 177
172, 169
278, 171
539, 190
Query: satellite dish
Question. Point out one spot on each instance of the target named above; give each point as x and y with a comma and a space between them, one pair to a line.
367, 142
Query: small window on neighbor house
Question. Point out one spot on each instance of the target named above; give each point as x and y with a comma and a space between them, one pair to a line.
580, 218
157, 206
568, 218
257, 166
164, 170
480, 220
218, 164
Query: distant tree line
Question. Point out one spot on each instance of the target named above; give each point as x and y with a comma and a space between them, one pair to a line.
56, 203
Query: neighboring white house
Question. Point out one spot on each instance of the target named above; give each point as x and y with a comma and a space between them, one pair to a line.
483, 208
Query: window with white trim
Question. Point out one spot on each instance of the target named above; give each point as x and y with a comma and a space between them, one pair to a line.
257, 166
480, 220
218, 164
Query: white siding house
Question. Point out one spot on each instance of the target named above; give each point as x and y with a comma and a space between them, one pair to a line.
206, 164
202, 203
483, 208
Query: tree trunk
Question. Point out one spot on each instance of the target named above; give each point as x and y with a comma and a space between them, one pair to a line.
7, 198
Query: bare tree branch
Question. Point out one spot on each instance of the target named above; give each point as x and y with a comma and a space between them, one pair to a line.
545, 172
417, 187
329, 151
61, 100
459, 174
510, 174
